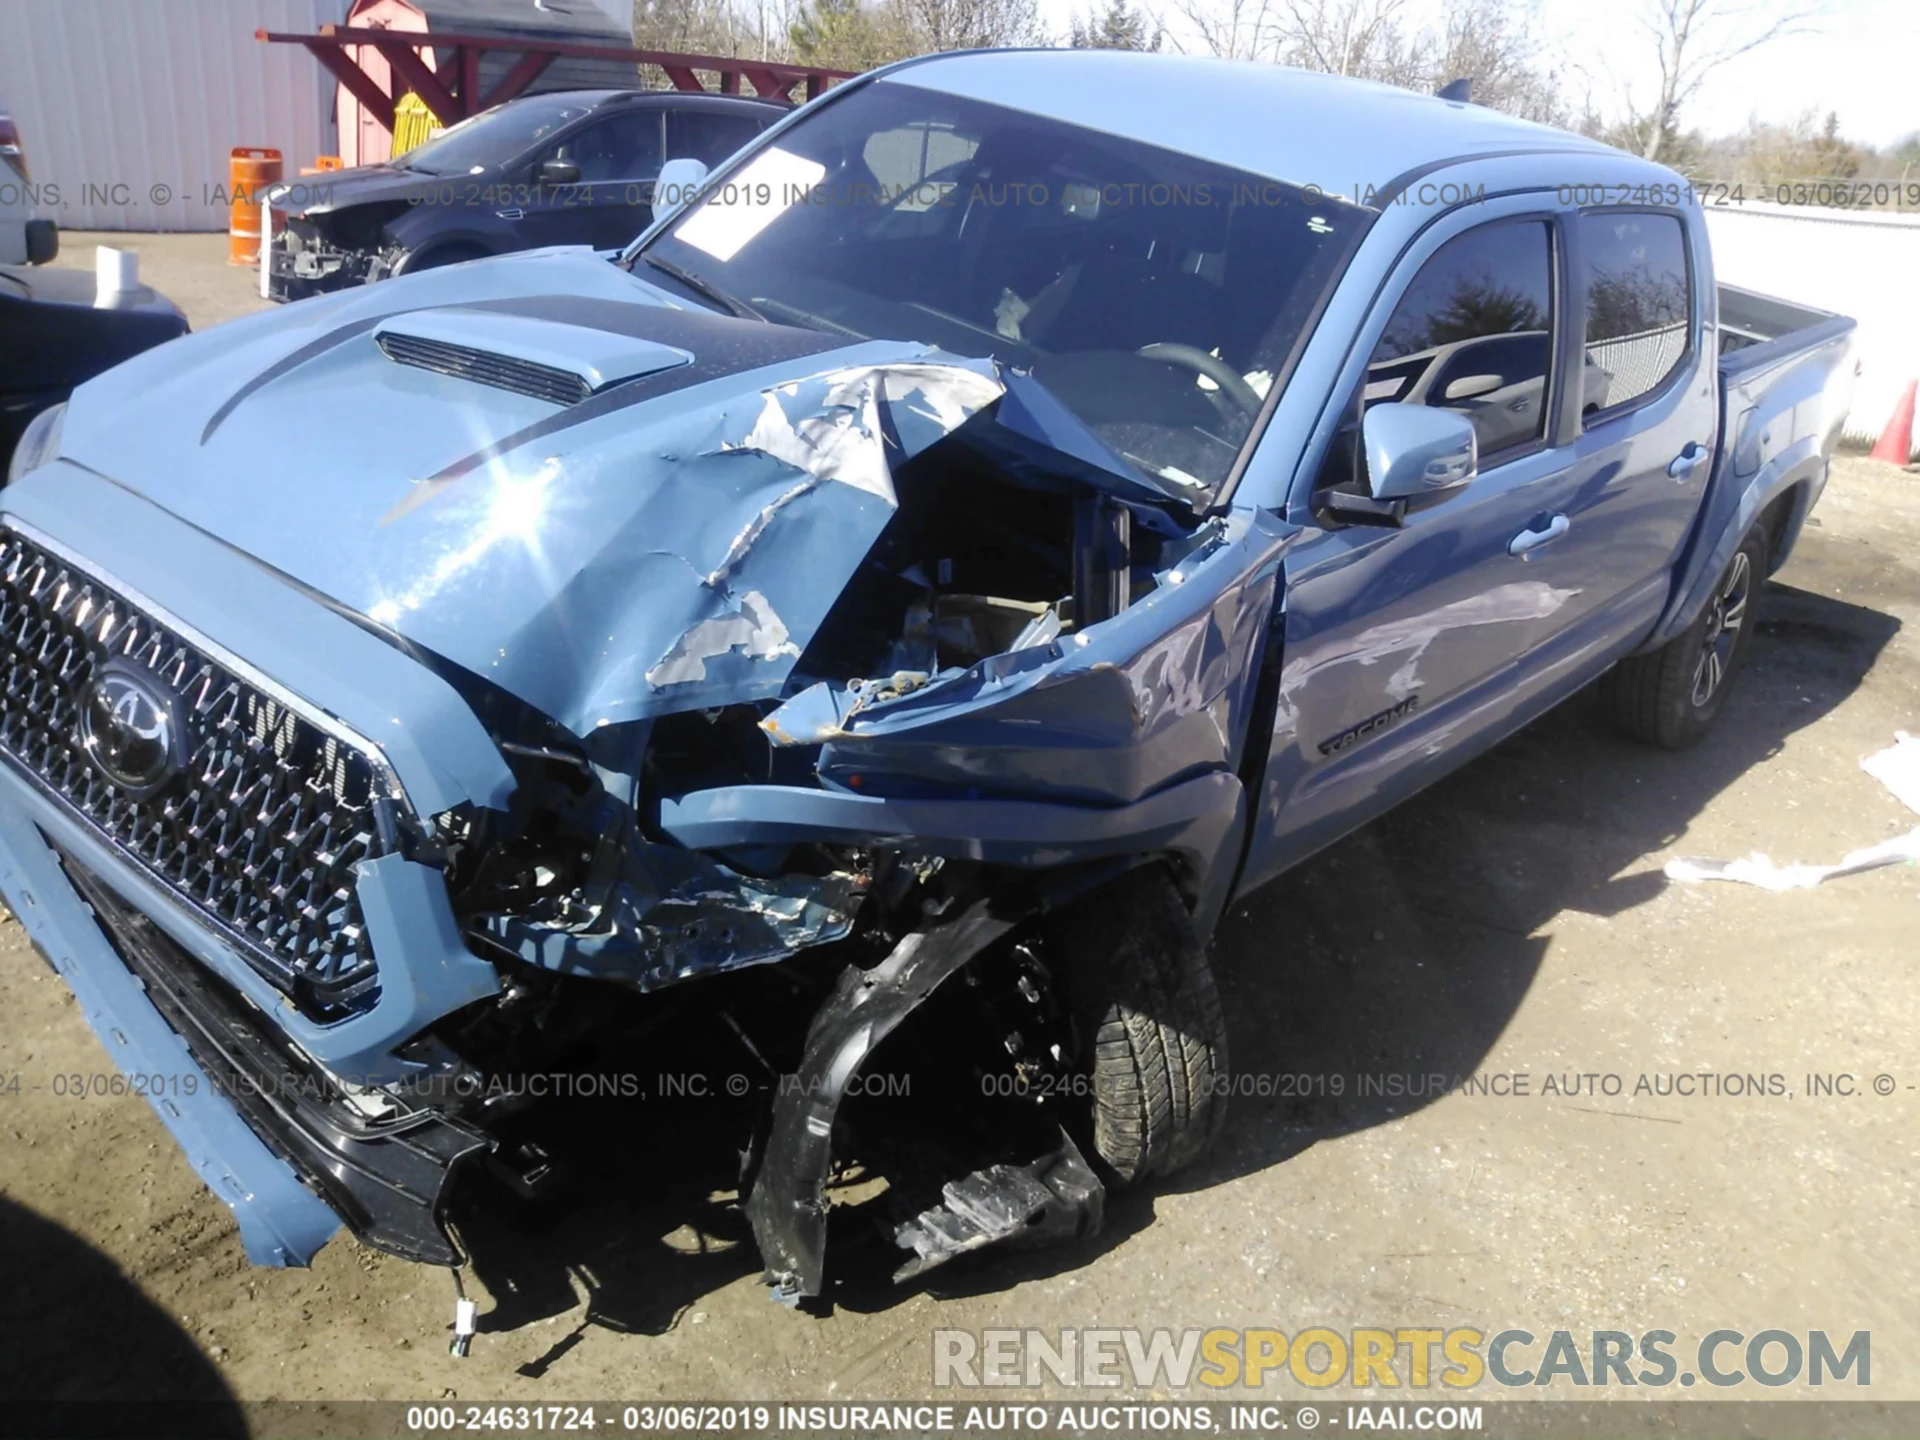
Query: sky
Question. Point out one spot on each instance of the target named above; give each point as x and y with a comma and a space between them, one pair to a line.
1860, 58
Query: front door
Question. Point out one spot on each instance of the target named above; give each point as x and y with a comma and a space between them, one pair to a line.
1401, 642
618, 159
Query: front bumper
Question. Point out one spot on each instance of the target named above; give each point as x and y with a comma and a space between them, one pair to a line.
294, 266
387, 1174
281, 1221
442, 757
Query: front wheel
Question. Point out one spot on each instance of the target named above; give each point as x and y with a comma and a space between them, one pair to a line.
1670, 696
1151, 1034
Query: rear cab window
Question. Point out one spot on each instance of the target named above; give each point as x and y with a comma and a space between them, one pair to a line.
1638, 284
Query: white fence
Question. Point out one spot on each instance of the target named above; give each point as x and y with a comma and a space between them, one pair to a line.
1859, 263
128, 111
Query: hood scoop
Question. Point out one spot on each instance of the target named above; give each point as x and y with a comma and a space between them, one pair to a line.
548, 360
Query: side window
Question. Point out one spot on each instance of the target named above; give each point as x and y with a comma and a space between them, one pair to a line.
706, 135
1474, 334
625, 148
1639, 305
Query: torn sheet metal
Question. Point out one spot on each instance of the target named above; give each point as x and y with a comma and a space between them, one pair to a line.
1897, 767
822, 712
1036, 437
845, 428
1121, 709
671, 914
559, 553
751, 629
831, 426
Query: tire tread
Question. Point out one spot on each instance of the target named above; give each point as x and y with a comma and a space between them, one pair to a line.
1158, 1051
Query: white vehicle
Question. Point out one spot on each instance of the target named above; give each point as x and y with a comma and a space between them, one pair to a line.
24, 239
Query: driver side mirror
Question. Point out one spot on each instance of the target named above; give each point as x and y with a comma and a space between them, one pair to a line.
555, 171
1414, 452
680, 180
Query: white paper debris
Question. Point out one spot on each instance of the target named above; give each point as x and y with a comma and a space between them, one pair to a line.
773, 182
1897, 767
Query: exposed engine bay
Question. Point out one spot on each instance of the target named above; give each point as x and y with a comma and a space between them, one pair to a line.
312, 255
924, 988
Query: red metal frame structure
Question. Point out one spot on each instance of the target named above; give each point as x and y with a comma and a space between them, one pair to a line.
455, 101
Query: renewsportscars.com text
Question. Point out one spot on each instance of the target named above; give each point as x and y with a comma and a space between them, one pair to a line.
1457, 1359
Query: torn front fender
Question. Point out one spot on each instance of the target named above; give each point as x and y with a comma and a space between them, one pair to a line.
1159, 693
787, 1204
1199, 821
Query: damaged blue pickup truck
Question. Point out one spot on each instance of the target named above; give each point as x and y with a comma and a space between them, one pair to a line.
1022, 501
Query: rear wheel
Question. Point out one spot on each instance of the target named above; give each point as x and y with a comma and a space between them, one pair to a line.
1670, 696
1152, 1038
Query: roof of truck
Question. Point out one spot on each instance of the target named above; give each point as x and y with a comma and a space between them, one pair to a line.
1343, 134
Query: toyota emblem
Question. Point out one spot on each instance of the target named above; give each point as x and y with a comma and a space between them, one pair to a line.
130, 728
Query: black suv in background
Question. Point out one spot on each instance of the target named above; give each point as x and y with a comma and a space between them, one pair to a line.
572, 167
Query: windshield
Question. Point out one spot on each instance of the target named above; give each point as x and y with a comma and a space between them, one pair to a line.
1156, 295
492, 137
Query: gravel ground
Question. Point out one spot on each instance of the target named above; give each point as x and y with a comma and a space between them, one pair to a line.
190, 270
1514, 919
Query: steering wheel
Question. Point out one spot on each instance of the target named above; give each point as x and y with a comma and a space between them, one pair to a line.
1192, 357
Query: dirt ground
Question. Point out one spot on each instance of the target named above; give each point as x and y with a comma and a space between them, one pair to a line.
1514, 919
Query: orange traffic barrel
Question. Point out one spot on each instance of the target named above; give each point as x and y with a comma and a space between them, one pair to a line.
249, 172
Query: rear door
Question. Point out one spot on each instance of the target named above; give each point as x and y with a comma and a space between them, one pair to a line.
1645, 421
1401, 642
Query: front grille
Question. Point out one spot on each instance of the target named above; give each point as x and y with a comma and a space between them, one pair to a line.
260, 826
485, 367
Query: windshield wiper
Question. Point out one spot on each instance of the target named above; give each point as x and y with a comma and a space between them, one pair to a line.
806, 319
700, 285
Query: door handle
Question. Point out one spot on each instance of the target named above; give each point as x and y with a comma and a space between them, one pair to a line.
514, 214
1684, 462
1533, 539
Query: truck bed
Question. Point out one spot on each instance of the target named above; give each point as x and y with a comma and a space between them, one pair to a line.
1756, 329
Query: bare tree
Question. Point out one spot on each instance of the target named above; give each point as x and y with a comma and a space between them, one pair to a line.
975, 24
1694, 38
701, 26
1364, 38
1232, 29
850, 35
1491, 43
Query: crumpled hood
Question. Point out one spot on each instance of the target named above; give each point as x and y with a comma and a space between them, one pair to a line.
669, 541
